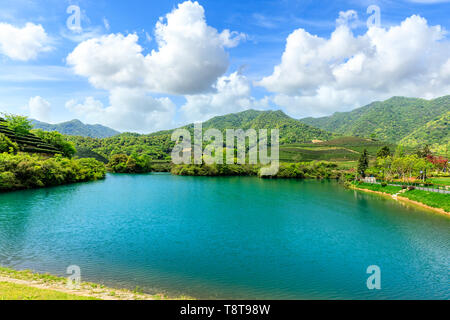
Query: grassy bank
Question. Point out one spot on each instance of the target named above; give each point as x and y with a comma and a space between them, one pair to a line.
438, 201
26, 285
378, 187
432, 199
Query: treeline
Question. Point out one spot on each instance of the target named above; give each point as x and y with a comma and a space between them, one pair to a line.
21, 170
28, 171
400, 165
303, 170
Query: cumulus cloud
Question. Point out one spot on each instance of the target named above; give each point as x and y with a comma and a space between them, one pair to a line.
23, 43
233, 94
128, 110
191, 56
318, 75
39, 109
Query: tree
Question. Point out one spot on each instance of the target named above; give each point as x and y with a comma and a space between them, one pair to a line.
384, 152
424, 152
363, 163
19, 124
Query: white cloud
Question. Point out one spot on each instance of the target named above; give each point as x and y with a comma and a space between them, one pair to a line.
233, 94
23, 43
39, 109
129, 110
318, 76
190, 57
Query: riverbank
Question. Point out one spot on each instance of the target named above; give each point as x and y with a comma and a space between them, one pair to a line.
26, 285
428, 203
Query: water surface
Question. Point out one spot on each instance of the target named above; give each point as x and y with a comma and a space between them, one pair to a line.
228, 238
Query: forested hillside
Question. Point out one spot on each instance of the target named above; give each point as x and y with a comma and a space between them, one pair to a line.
159, 145
436, 133
391, 120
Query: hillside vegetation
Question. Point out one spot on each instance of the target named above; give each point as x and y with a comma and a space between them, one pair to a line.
339, 149
25, 141
391, 120
36, 159
77, 128
436, 133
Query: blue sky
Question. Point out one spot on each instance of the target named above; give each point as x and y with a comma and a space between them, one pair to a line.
54, 89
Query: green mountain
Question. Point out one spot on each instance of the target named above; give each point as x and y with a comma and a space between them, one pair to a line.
291, 130
77, 128
391, 120
158, 145
436, 133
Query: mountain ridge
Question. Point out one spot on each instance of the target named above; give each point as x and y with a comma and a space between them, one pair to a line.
391, 120
77, 128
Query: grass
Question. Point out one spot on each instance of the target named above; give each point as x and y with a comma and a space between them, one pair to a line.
441, 180
13, 291
97, 291
432, 199
378, 187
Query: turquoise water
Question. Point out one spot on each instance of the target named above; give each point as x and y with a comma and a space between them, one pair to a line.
228, 238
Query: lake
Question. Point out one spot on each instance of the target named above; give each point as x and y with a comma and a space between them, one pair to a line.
227, 238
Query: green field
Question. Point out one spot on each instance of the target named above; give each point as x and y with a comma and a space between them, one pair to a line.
344, 149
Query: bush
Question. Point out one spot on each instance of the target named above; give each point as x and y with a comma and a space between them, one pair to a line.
121, 163
6, 145
57, 140
383, 184
25, 171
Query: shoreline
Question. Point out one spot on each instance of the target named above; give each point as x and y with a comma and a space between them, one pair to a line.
46, 282
406, 200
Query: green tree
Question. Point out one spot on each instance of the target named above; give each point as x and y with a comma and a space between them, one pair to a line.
424, 152
363, 163
19, 124
384, 152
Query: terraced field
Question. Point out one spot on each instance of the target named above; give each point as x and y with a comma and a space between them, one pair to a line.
29, 142
340, 149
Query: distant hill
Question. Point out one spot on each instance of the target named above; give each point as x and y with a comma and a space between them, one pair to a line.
291, 130
77, 128
158, 145
391, 120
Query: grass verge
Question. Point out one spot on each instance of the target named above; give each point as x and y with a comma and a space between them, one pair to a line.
14, 291
25, 285
432, 199
378, 187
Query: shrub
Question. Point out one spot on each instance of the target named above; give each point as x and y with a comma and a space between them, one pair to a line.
26, 171
6, 145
